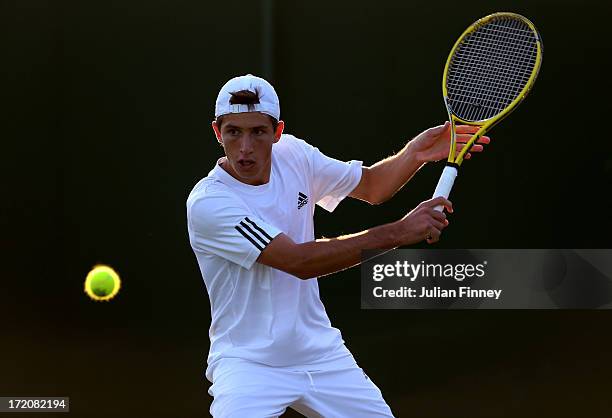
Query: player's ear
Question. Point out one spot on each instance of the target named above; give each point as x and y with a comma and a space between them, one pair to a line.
217, 131
279, 130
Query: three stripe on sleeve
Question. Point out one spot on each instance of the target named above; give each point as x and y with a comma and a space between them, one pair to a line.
251, 231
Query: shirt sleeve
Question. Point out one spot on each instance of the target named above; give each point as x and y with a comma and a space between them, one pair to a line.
332, 179
222, 225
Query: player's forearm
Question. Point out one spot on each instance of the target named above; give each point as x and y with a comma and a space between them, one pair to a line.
328, 255
391, 174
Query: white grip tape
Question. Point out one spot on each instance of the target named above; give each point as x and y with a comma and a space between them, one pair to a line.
445, 184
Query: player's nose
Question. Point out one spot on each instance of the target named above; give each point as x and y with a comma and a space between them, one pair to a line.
246, 144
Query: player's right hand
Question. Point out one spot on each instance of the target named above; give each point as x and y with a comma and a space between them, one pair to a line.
424, 222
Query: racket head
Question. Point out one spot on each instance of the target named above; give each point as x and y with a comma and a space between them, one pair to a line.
491, 68
489, 71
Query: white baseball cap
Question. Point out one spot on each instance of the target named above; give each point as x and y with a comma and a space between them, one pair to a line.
268, 100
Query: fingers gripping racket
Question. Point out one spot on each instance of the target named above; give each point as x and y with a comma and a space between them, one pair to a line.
489, 71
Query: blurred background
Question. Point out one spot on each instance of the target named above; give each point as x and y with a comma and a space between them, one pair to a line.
106, 128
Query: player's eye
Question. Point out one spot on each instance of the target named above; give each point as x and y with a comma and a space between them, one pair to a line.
232, 132
259, 132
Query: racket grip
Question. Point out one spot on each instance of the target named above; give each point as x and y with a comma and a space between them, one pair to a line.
445, 184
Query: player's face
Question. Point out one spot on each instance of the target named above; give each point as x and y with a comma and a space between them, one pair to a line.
247, 139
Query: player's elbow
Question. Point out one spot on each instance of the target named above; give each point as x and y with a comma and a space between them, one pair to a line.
376, 197
305, 275
368, 189
377, 200
301, 268
302, 264
285, 255
372, 197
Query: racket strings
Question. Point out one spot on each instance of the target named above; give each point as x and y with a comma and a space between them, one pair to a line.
496, 82
490, 68
498, 67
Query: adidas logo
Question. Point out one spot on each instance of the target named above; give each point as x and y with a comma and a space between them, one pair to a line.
302, 200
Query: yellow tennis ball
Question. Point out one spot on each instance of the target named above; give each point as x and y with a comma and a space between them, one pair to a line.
102, 283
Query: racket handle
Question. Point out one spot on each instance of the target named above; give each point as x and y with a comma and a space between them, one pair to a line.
445, 184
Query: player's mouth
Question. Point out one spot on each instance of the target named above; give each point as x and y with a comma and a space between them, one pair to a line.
246, 164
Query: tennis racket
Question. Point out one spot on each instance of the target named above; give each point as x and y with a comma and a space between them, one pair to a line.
489, 71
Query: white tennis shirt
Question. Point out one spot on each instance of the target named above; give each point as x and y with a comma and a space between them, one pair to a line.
259, 313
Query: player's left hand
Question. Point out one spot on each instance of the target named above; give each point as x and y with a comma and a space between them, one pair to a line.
434, 143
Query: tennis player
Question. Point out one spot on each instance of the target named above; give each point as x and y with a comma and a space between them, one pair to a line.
250, 224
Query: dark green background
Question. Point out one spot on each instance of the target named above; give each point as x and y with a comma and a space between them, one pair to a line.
105, 130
